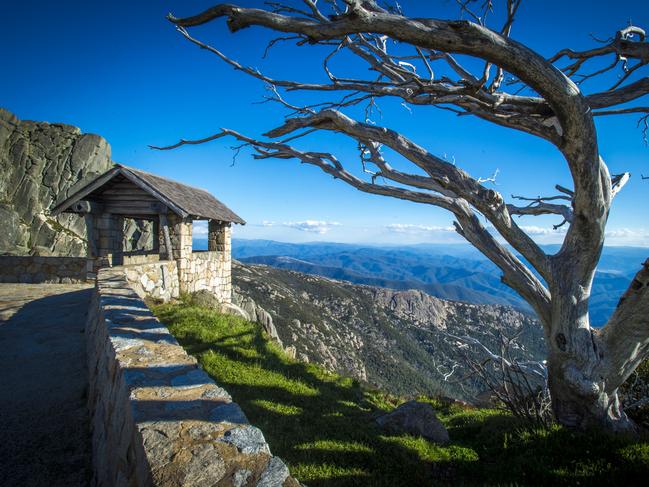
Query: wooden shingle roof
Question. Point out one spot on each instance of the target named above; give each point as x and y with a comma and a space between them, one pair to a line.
184, 200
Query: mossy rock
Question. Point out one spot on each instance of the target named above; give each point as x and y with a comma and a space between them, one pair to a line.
204, 299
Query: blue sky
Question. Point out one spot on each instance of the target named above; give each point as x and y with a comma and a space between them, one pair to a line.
119, 69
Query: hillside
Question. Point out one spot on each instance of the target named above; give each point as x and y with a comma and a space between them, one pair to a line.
324, 425
459, 281
392, 339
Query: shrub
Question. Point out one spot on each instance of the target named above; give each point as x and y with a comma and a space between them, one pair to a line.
635, 395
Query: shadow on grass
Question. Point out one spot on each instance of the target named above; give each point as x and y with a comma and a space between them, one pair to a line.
323, 425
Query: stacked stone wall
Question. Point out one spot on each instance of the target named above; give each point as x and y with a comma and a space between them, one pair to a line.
209, 270
36, 269
212, 271
157, 417
158, 280
134, 258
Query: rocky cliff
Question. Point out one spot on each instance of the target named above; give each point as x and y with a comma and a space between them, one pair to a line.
397, 340
41, 163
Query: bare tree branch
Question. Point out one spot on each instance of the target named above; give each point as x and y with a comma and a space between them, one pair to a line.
625, 335
540, 206
468, 225
521, 386
581, 369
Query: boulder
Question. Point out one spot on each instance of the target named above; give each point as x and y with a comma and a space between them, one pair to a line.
205, 299
291, 351
266, 321
234, 310
247, 304
417, 419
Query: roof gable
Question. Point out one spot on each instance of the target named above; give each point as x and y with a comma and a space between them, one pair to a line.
180, 198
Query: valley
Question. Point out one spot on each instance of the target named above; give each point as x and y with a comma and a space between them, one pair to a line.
395, 340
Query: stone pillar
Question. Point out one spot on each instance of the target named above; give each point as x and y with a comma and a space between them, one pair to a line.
181, 242
219, 240
108, 233
216, 236
226, 284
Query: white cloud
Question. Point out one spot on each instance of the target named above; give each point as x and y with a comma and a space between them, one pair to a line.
199, 228
534, 230
416, 229
619, 236
628, 236
626, 233
311, 226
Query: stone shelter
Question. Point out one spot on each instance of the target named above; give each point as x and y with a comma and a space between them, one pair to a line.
171, 207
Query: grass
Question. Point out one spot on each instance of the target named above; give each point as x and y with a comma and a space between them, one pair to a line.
322, 425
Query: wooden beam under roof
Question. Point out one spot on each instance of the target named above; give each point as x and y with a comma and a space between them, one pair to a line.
86, 190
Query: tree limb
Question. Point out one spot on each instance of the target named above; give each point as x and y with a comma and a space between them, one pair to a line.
626, 335
577, 139
442, 175
515, 273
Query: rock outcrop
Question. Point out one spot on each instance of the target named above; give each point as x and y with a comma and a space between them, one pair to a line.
41, 163
257, 314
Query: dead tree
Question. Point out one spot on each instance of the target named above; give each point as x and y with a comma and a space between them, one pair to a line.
516, 88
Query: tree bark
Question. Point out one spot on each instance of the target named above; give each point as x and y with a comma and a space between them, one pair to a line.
586, 366
580, 401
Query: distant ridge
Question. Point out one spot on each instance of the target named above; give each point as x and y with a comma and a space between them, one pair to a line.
454, 271
453, 292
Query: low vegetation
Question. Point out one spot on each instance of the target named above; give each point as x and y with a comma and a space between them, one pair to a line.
635, 395
323, 425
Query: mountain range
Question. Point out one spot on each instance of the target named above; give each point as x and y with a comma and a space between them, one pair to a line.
456, 272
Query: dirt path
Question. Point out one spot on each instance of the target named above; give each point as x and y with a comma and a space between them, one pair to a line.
44, 439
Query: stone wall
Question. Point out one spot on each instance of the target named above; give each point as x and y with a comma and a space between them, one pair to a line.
28, 269
132, 258
157, 280
212, 271
157, 417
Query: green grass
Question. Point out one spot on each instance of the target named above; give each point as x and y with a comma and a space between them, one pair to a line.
322, 425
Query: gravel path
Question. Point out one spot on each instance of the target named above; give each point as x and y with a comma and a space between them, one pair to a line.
44, 439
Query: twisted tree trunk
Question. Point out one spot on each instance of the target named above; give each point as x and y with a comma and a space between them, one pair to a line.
581, 395
586, 366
